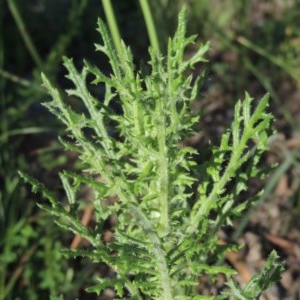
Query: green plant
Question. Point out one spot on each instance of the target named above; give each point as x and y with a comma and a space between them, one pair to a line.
31, 267
114, 30
166, 234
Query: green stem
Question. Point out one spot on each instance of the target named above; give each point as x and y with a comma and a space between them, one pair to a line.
150, 24
112, 24
22, 29
122, 192
163, 172
158, 251
2, 39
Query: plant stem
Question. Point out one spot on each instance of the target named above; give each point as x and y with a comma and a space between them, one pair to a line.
163, 172
112, 24
150, 25
158, 251
22, 29
2, 39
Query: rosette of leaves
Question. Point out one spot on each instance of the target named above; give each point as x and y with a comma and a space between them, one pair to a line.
166, 235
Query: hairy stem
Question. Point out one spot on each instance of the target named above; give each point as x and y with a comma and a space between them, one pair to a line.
158, 251
163, 171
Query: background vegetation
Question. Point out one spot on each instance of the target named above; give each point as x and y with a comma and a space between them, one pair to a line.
255, 46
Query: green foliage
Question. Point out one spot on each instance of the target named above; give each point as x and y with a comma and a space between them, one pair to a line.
31, 266
166, 234
259, 282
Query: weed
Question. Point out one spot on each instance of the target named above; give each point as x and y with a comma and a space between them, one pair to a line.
166, 234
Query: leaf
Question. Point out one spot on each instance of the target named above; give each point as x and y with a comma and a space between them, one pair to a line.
270, 274
259, 282
117, 284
